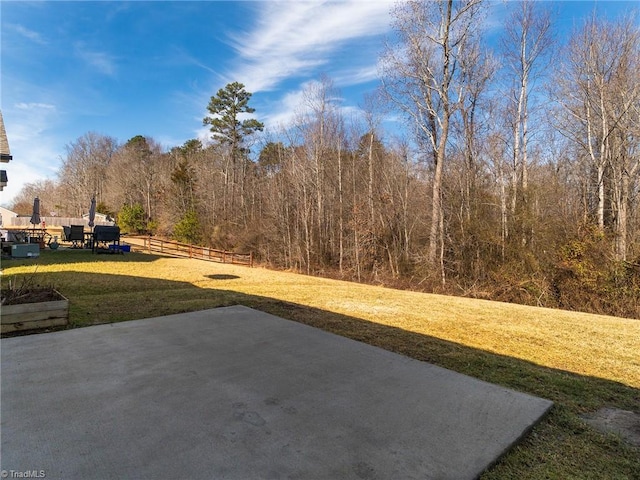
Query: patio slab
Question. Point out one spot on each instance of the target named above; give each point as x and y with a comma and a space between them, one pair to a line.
234, 393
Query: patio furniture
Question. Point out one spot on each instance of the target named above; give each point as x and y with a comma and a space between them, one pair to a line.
76, 236
106, 239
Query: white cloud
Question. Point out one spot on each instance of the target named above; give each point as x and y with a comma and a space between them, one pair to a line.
285, 111
35, 106
101, 61
203, 134
295, 106
357, 76
30, 34
293, 42
294, 38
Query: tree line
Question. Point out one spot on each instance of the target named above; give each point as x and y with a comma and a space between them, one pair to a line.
515, 176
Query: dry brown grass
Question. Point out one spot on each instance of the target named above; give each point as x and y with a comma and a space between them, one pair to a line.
580, 361
592, 345
586, 344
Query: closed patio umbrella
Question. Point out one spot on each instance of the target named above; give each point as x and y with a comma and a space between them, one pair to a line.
35, 216
92, 212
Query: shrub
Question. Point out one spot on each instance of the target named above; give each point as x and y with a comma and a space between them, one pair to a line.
588, 278
133, 219
188, 229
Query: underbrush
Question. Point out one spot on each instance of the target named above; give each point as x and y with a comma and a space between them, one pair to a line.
614, 290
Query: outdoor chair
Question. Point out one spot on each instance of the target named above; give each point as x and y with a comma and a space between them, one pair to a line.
76, 236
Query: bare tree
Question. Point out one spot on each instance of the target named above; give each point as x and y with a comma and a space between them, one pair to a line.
526, 41
84, 170
49, 193
468, 219
599, 90
135, 175
320, 125
421, 76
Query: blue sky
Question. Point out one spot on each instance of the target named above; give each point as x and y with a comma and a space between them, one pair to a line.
149, 68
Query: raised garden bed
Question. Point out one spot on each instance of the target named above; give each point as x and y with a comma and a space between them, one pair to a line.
39, 309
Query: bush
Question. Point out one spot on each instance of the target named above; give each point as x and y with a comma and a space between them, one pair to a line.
133, 219
587, 278
188, 229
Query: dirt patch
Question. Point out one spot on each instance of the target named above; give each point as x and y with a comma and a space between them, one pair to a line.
624, 423
29, 295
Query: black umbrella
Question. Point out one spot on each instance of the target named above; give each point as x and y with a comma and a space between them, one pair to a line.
35, 216
92, 212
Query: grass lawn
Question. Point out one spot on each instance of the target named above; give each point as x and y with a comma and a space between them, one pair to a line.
582, 362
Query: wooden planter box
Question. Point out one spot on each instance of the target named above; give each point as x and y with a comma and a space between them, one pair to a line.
30, 316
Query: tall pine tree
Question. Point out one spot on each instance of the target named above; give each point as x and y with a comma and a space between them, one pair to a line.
225, 109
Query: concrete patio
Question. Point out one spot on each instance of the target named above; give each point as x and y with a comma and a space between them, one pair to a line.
234, 393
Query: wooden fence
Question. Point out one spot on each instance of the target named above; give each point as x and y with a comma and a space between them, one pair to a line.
176, 249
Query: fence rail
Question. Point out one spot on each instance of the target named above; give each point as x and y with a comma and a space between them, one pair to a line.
177, 249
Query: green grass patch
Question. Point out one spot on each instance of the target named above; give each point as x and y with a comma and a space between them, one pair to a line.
581, 362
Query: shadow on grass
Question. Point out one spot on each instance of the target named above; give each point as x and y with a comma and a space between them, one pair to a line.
222, 276
561, 446
67, 255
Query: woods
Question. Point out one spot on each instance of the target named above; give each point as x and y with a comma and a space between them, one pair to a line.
513, 173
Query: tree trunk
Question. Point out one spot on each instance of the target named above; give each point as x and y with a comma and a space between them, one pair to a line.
341, 212
436, 196
371, 208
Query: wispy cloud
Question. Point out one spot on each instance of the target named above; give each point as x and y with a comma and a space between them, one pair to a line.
101, 61
357, 76
287, 108
180, 57
30, 34
295, 107
291, 42
293, 39
35, 106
